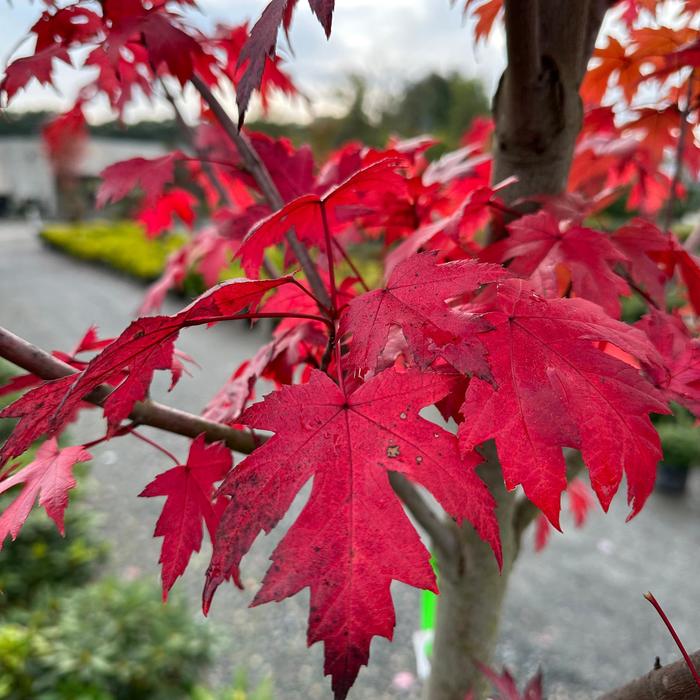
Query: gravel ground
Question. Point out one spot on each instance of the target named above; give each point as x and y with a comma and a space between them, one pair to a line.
575, 609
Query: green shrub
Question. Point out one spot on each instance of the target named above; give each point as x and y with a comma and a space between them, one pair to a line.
123, 246
681, 444
40, 559
240, 689
112, 640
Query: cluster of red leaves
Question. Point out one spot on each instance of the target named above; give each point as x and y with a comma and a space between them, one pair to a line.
506, 688
519, 342
133, 43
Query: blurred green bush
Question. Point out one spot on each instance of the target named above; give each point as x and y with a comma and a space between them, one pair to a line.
66, 636
110, 640
123, 246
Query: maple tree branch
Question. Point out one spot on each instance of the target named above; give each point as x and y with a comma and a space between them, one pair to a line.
523, 42
156, 415
441, 536
39, 362
207, 163
260, 173
672, 682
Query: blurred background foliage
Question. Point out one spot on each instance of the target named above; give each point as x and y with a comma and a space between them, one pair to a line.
68, 633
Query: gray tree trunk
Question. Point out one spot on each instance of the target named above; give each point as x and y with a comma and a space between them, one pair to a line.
538, 114
471, 599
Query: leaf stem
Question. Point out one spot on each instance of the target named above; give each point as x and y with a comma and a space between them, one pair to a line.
260, 173
650, 597
200, 321
153, 443
207, 168
339, 367
329, 255
350, 262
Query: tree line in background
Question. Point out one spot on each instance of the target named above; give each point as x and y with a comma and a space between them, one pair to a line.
435, 104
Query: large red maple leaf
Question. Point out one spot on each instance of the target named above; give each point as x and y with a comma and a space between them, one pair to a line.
151, 175
310, 214
39, 66
189, 490
128, 364
414, 299
352, 538
554, 388
679, 378
49, 478
555, 257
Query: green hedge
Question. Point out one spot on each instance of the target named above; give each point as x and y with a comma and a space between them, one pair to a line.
123, 246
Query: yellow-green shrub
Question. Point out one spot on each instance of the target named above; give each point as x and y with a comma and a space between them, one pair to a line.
123, 246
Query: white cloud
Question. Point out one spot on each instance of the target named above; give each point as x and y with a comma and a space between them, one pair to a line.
387, 42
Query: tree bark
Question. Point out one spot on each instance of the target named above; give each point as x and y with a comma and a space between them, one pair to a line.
538, 114
672, 682
537, 109
471, 597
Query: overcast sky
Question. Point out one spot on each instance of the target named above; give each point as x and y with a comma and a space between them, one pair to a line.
388, 42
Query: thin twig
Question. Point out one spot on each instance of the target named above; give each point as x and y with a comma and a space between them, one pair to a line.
691, 666
39, 362
636, 288
329, 255
257, 169
352, 265
207, 163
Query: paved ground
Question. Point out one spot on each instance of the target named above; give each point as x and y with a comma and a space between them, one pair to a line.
576, 609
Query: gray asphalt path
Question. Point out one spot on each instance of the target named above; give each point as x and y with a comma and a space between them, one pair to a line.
575, 609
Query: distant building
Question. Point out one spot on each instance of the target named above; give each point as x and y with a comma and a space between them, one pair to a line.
27, 180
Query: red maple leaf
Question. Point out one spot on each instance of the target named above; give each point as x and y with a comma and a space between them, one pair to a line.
263, 39
39, 66
654, 257
679, 378
504, 684
414, 299
66, 25
169, 47
158, 217
554, 257
151, 175
310, 213
128, 364
486, 14
47, 478
189, 489
347, 442
555, 388
613, 60
580, 502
